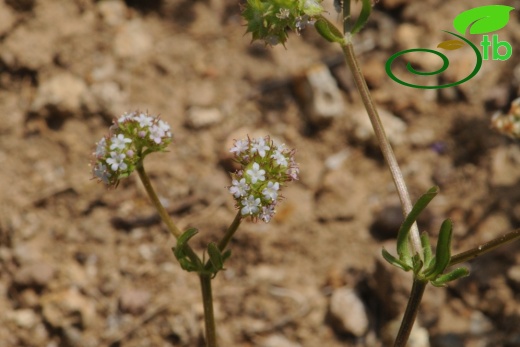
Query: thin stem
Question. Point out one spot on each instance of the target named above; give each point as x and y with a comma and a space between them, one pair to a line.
384, 144
209, 316
230, 232
346, 16
410, 314
485, 248
165, 217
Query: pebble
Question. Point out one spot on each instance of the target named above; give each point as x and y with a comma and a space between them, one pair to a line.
319, 95
7, 18
348, 313
419, 336
24, 318
133, 300
68, 308
278, 340
504, 166
64, 93
37, 274
362, 131
203, 117
28, 48
132, 40
113, 12
514, 275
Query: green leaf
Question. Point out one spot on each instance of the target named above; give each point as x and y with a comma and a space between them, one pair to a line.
417, 264
394, 261
363, 16
215, 257
402, 237
482, 19
328, 30
451, 276
443, 252
182, 241
427, 249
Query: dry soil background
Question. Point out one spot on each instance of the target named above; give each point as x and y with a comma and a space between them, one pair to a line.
83, 266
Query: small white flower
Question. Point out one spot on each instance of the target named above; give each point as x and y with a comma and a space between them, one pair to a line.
271, 191
144, 120
240, 146
260, 147
117, 161
251, 205
256, 174
126, 116
101, 148
279, 158
101, 172
156, 134
119, 142
267, 213
164, 127
302, 22
239, 188
293, 173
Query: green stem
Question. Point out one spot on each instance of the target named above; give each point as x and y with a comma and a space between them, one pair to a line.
410, 314
384, 144
230, 232
165, 217
485, 248
346, 16
209, 316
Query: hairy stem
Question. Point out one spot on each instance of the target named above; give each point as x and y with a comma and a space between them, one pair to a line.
384, 144
209, 316
485, 247
410, 314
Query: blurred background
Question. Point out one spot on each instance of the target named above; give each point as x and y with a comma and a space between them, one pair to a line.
81, 265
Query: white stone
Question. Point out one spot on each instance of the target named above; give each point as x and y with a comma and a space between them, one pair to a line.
348, 312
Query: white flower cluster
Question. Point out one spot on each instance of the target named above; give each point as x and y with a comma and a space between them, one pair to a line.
508, 124
133, 136
265, 168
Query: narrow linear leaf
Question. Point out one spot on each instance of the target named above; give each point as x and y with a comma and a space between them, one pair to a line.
394, 261
427, 249
451, 276
363, 16
443, 252
402, 237
417, 264
215, 257
328, 30
451, 45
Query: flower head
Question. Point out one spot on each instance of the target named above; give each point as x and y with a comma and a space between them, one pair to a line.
132, 136
268, 20
265, 168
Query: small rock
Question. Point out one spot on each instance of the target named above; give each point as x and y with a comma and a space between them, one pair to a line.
108, 98
37, 274
419, 336
319, 95
348, 313
132, 40
278, 341
113, 12
63, 94
504, 166
134, 300
514, 275
202, 117
68, 308
340, 196
28, 48
7, 18
24, 318
362, 131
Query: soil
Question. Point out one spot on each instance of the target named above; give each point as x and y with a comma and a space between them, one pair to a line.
85, 266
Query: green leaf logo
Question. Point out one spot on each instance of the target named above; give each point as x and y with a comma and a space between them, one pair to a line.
483, 19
